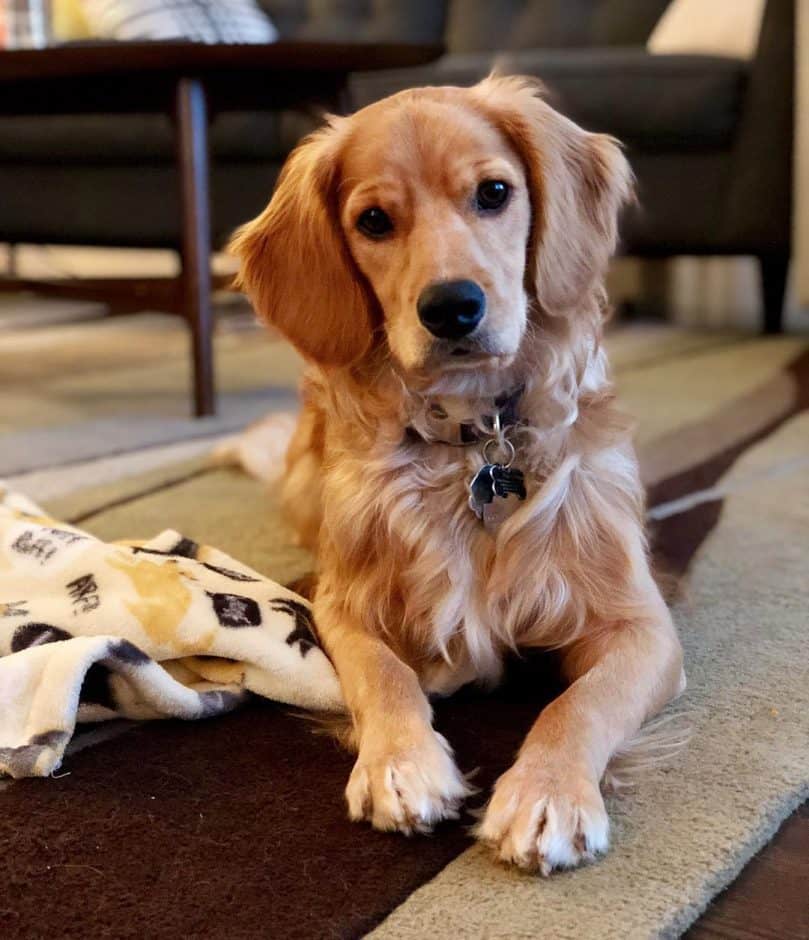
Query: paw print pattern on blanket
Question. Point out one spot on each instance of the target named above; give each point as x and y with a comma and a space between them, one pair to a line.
304, 633
91, 630
35, 634
235, 611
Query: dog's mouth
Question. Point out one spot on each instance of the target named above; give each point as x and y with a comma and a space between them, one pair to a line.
468, 359
462, 369
469, 364
472, 361
469, 355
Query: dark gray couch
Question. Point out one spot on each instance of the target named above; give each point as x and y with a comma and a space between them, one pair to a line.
709, 138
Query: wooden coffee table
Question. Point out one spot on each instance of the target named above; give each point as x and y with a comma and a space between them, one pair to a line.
189, 81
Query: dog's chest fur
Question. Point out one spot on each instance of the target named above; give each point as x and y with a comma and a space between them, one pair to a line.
405, 557
436, 580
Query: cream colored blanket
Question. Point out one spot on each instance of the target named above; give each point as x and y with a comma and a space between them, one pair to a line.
163, 629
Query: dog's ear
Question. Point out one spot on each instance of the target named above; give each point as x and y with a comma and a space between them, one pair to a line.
578, 183
295, 265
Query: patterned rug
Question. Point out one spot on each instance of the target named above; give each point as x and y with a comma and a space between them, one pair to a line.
236, 826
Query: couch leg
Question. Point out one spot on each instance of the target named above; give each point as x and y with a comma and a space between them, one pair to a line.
191, 129
774, 269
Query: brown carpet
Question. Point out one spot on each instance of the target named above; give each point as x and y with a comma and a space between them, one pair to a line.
236, 827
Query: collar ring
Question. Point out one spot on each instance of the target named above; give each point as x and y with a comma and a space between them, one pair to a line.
506, 445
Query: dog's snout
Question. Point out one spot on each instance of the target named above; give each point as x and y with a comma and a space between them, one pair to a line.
451, 309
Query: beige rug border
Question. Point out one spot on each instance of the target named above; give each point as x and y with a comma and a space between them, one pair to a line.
87, 502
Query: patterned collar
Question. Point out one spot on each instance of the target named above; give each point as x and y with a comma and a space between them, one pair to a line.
463, 434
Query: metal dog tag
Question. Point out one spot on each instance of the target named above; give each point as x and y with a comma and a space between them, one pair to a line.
494, 479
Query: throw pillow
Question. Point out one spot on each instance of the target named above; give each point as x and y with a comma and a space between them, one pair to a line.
715, 27
226, 21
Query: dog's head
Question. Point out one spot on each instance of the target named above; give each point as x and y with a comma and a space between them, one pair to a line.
439, 221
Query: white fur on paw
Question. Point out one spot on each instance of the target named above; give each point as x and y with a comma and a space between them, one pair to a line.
409, 789
539, 820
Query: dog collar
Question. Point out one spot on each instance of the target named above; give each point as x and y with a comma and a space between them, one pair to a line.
503, 415
498, 478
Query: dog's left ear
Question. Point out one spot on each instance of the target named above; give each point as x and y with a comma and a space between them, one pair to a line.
578, 183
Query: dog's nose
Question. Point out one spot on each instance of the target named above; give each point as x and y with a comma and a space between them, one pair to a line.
451, 309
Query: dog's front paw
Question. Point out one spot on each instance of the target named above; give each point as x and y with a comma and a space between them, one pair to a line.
545, 815
409, 787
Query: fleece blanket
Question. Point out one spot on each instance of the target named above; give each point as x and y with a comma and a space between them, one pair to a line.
91, 631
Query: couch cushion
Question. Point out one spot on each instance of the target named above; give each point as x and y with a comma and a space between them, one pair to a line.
358, 20
650, 102
625, 22
122, 206
144, 138
479, 25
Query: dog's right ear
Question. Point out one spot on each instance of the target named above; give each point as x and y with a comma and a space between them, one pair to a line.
295, 265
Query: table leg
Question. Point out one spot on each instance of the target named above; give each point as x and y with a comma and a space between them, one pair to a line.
11, 264
191, 130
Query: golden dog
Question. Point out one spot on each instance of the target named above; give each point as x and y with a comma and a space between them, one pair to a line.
438, 258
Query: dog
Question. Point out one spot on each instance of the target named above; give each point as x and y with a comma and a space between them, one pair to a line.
460, 465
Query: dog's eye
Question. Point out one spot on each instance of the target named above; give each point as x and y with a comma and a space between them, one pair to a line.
374, 222
492, 194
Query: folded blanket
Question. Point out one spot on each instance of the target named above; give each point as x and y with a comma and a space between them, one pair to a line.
163, 629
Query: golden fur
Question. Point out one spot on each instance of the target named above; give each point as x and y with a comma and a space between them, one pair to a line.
415, 595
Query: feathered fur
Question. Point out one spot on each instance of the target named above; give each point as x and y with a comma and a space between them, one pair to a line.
414, 594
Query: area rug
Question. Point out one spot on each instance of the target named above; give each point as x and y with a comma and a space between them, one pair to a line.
236, 826
83, 391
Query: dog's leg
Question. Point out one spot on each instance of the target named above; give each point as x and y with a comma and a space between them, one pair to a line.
303, 473
547, 812
405, 777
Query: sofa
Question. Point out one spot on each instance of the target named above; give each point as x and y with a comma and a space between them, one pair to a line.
709, 138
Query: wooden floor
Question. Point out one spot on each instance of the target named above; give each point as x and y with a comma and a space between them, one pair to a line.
770, 898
